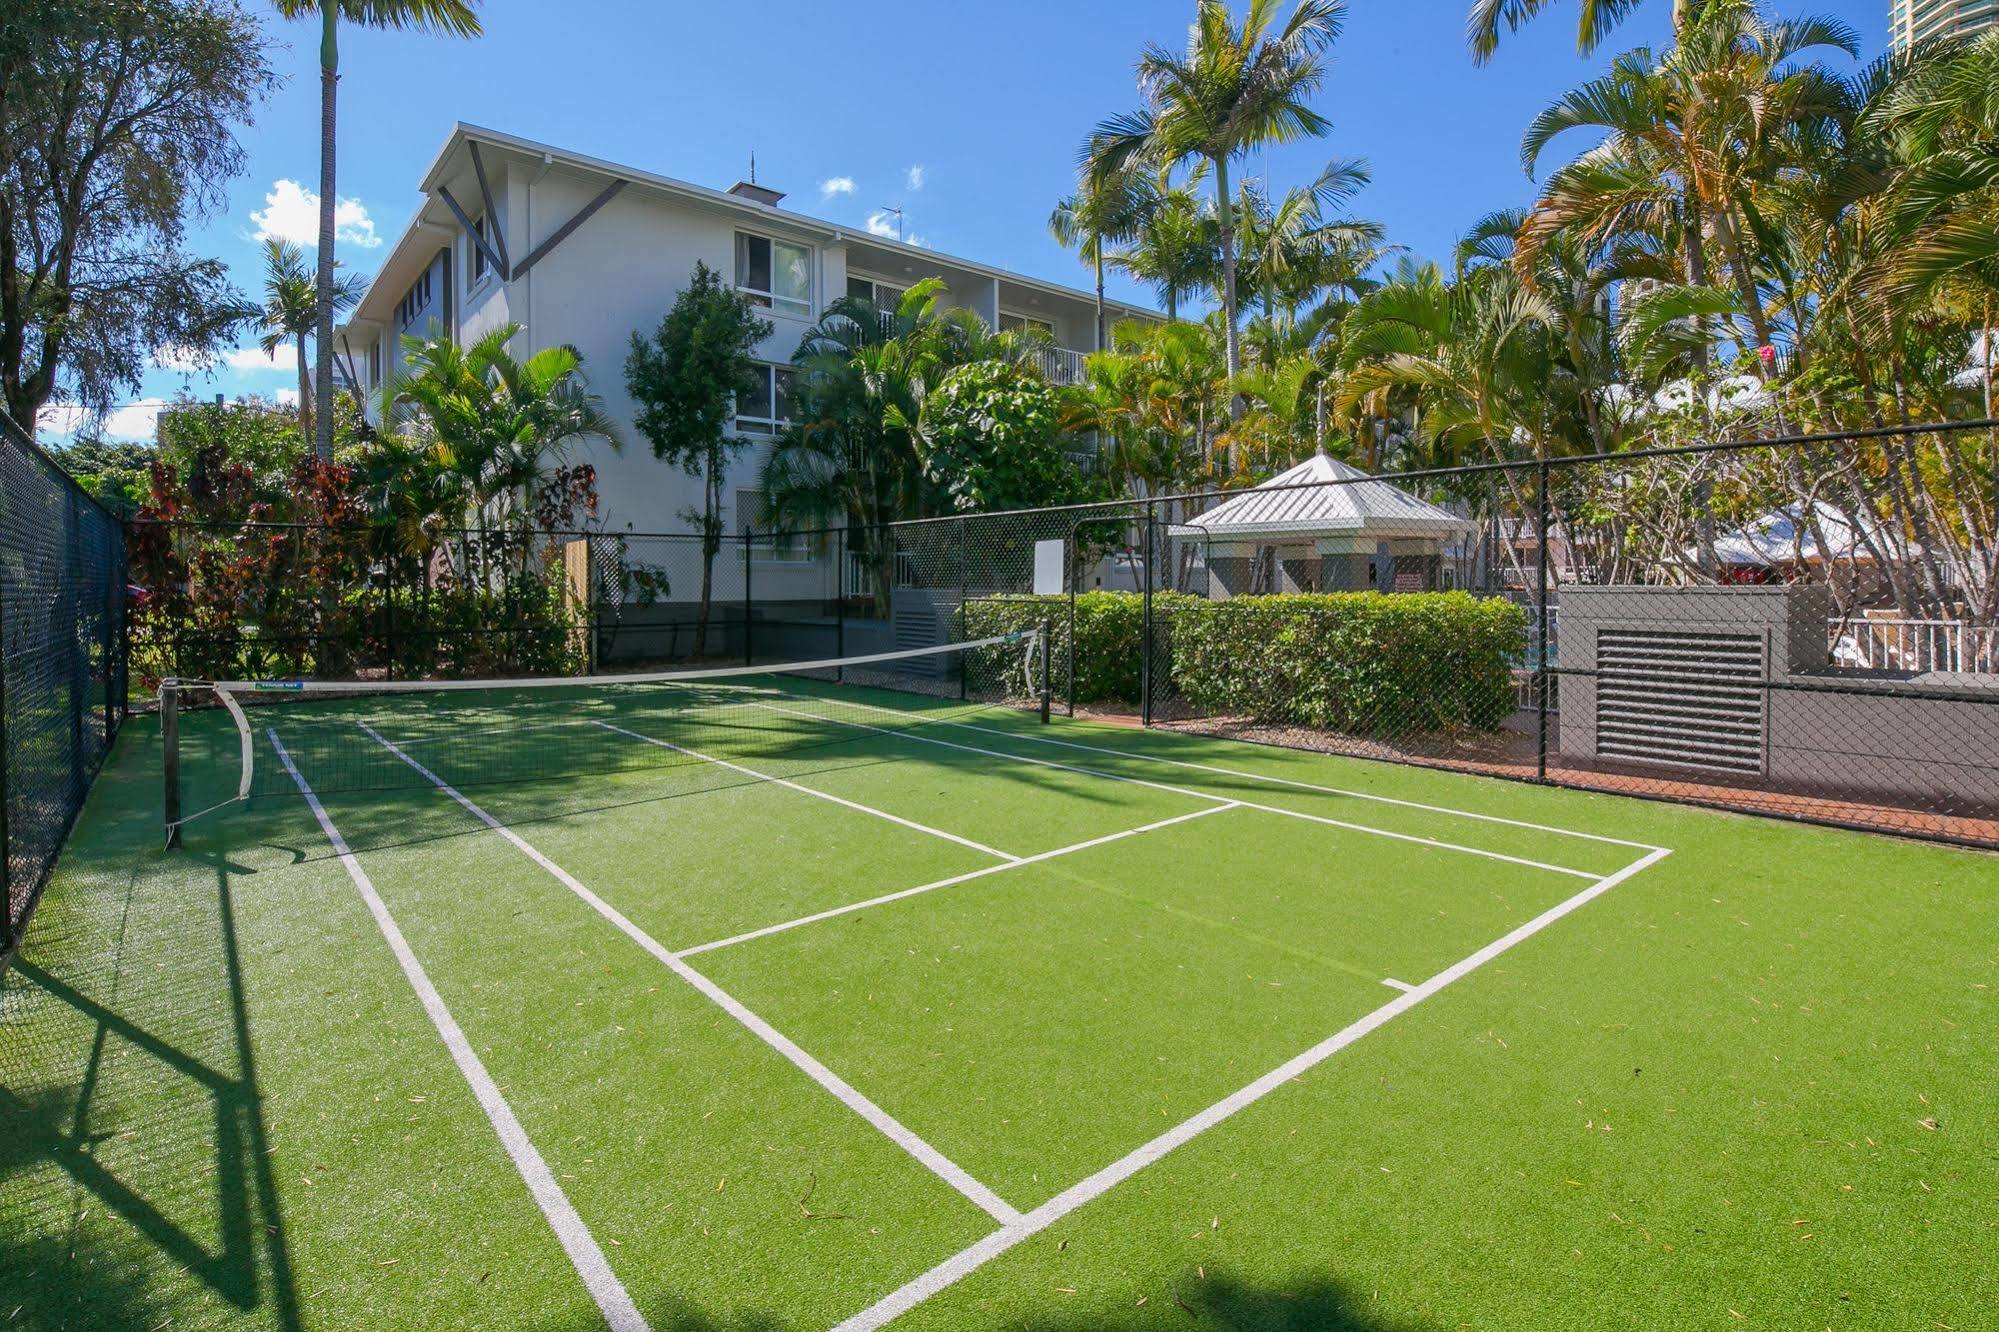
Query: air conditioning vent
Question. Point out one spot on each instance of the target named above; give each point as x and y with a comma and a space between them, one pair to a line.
1687, 699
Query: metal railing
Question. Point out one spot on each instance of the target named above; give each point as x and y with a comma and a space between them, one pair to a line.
1882, 643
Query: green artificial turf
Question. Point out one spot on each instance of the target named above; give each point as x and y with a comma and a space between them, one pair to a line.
1750, 1087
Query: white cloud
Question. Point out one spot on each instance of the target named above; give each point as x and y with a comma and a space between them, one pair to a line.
285, 358
882, 223
913, 177
287, 397
133, 421
291, 213
836, 185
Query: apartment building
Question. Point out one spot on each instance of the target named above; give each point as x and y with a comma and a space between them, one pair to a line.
1914, 21
585, 252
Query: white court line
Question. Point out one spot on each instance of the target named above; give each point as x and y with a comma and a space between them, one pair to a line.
604, 1287
980, 847
957, 1267
954, 880
1251, 776
891, 1128
1197, 795
1395, 984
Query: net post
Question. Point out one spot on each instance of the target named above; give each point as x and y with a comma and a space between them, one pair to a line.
748, 659
170, 751
1047, 643
839, 599
1075, 571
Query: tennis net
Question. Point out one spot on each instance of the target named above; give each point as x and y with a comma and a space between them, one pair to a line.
228, 742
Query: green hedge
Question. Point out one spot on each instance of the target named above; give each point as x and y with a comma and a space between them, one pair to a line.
1110, 630
1364, 663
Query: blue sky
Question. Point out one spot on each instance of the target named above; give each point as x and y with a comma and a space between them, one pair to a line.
965, 115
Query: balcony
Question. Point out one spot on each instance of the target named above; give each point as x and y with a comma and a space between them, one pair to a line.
1058, 365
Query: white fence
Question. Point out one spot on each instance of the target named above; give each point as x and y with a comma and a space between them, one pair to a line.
1883, 644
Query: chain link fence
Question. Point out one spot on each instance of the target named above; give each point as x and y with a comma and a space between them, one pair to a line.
1802, 627
62, 663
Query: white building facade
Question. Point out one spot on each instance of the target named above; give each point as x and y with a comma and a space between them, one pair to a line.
585, 252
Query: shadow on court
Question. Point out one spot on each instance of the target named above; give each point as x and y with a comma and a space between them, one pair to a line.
1222, 1302
132, 1139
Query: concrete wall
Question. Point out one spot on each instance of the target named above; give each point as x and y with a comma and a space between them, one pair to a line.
1931, 737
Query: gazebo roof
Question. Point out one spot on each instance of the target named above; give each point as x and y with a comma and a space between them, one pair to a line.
1346, 502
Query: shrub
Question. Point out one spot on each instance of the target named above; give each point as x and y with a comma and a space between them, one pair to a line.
1364, 663
1110, 630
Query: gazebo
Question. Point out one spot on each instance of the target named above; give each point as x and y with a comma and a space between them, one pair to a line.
1322, 526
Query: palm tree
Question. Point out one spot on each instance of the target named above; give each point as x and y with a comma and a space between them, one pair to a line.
1693, 135
1236, 87
1594, 21
291, 311
1102, 211
1175, 247
455, 17
851, 455
499, 426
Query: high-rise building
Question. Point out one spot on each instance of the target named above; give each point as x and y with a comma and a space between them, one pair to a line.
1913, 21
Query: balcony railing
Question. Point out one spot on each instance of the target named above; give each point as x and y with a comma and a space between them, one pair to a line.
1058, 365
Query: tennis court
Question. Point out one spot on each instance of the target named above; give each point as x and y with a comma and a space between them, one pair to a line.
795, 1000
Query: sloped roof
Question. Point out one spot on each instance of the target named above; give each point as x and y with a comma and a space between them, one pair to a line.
1345, 502
1783, 536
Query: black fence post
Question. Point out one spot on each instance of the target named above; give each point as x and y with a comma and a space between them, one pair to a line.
1047, 630
748, 657
839, 600
390, 640
1145, 622
7, 921
1541, 620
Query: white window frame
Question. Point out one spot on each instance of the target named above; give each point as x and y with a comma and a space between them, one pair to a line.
875, 284
773, 425
783, 305
1025, 318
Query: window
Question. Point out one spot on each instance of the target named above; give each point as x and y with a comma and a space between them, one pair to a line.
415, 301
774, 274
475, 261
766, 409
374, 365
1014, 323
884, 296
775, 547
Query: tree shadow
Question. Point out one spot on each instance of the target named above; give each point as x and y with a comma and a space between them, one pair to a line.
1230, 1304
128, 1087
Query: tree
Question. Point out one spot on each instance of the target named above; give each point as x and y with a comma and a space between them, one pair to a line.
291, 310
686, 379
1174, 247
991, 439
1104, 210
1235, 88
851, 454
116, 475
455, 17
1595, 19
116, 131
